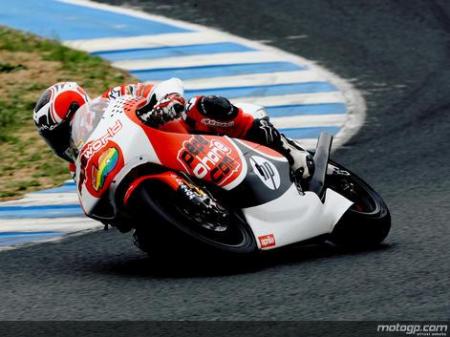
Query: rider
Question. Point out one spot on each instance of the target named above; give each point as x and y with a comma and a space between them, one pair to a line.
165, 102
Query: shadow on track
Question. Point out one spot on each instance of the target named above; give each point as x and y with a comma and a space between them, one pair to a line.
196, 264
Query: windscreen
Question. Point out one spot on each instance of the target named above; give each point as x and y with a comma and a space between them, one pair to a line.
86, 120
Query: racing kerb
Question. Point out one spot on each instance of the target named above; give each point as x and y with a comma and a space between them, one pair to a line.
302, 98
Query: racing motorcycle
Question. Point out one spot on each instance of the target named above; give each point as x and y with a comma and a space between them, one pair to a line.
213, 191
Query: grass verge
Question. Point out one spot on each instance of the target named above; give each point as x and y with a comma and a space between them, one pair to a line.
28, 65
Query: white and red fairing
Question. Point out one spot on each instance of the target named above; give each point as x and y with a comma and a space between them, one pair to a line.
259, 177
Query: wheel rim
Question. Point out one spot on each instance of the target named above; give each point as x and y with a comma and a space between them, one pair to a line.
223, 231
361, 198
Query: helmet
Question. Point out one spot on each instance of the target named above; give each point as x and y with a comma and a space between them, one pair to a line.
53, 113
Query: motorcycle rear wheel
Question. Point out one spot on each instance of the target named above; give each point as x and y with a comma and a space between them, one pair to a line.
368, 221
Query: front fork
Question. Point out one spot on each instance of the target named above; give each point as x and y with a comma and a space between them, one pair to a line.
176, 182
193, 199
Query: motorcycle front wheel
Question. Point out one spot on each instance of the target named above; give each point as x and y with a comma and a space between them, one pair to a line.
368, 221
230, 234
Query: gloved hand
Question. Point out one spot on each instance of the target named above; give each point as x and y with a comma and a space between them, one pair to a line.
165, 110
170, 107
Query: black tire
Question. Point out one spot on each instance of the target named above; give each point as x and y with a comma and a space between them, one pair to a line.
367, 222
184, 232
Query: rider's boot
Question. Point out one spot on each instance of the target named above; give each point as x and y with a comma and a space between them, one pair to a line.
302, 163
303, 159
263, 132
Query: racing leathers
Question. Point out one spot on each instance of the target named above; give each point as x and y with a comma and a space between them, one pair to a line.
216, 115
211, 115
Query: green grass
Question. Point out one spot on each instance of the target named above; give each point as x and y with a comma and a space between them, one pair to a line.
29, 65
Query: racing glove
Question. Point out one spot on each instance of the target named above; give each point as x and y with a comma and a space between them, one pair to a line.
167, 109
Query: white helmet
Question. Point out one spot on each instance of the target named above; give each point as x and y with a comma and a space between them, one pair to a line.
53, 113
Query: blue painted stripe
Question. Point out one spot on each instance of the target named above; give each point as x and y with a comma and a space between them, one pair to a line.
15, 238
16, 234
216, 70
35, 207
40, 211
60, 189
67, 187
266, 90
306, 109
309, 132
54, 19
160, 52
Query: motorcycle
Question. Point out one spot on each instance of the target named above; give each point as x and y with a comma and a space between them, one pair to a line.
178, 189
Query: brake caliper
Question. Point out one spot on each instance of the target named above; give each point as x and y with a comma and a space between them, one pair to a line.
202, 207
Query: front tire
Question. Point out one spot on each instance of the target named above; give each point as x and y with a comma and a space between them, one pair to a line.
368, 221
185, 228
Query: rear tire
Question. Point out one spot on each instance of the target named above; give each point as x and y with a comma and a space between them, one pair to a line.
368, 221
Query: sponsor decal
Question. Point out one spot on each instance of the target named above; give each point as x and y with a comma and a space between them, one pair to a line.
267, 241
99, 170
208, 159
266, 171
91, 147
213, 122
106, 163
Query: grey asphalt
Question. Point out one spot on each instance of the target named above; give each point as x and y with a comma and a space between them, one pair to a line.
398, 54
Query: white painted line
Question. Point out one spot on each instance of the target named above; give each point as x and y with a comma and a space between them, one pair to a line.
63, 225
39, 240
315, 98
309, 121
285, 77
311, 143
147, 41
308, 144
33, 199
198, 60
